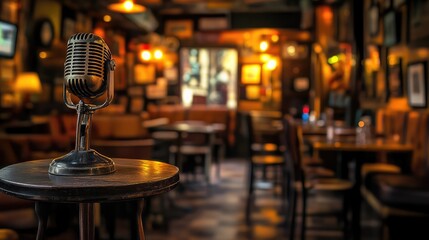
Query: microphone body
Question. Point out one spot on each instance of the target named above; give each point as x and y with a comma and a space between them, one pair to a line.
88, 74
84, 68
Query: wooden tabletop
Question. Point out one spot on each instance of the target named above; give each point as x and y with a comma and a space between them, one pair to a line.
192, 127
133, 179
350, 144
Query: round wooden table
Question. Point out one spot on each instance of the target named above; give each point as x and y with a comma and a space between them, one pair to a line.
133, 180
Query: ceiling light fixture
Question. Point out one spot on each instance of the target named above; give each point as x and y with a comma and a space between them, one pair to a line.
127, 6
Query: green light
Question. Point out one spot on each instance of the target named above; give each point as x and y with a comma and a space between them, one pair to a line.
333, 59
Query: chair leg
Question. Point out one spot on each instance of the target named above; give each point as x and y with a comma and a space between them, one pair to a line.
208, 167
345, 215
304, 214
249, 202
292, 214
220, 158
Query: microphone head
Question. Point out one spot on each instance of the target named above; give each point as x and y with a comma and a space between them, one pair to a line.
85, 68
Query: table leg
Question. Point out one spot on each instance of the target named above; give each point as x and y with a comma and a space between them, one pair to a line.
138, 210
42, 212
357, 198
86, 221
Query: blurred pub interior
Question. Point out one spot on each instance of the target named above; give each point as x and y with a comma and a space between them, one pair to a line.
213, 62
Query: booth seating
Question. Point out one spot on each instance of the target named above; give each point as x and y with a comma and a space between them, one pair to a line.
402, 197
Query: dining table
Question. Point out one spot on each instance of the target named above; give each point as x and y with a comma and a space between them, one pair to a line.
349, 149
182, 129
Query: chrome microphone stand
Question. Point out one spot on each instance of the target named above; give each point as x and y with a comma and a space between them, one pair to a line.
83, 160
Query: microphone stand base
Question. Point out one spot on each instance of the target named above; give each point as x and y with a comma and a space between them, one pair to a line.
85, 163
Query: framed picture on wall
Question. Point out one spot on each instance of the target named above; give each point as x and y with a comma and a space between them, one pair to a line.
418, 22
416, 80
374, 19
391, 29
251, 74
394, 77
182, 29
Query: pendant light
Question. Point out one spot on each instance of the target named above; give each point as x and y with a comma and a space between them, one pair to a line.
126, 6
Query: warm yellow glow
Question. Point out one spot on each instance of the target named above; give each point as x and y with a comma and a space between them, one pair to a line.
128, 6
271, 65
275, 38
333, 59
317, 48
392, 60
43, 55
265, 57
251, 74
291, 50
263, 46
145, 55
158, 54
187, 97
361, 124
253, 92
107, 18
28, 82
423, 53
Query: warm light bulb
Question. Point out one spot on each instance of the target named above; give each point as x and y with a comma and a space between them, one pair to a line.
291, 50
263, 46
145, 55
265, 57
275, 38
272, 64
128, 5
107, 18
158, 54
43, 55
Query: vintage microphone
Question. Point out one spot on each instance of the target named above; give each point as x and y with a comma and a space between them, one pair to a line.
88, 74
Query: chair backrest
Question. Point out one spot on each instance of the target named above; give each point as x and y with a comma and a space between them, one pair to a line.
391, 124
292, 139
264, 128
418, 136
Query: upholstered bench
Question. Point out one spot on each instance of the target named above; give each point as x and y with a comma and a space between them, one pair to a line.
401, 202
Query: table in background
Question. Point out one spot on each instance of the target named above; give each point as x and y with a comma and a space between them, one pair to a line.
193, 127
132, 181
339, 145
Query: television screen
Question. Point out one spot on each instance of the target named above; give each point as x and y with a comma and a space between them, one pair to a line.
8, 35
210, 74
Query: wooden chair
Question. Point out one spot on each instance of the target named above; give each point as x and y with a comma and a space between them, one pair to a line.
400, 126
301, 182
264, 148
398, 198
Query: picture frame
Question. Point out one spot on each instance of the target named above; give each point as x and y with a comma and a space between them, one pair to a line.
417, 22
301, 84
144, 74
182, 29
391, 29
374, 19
416, 84
251, 73
213, 23
394, 81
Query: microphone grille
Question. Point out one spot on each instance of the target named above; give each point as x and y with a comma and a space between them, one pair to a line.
84, 68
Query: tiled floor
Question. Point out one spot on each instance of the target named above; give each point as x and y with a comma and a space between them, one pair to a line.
217, 212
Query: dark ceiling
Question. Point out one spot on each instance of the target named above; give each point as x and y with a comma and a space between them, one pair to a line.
160, 8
